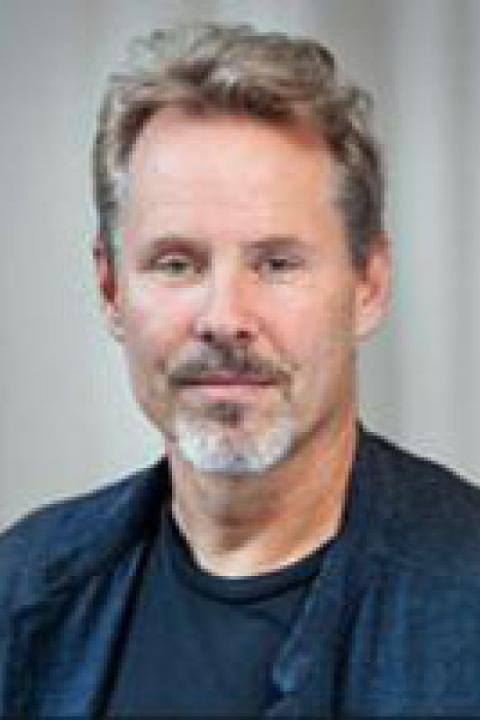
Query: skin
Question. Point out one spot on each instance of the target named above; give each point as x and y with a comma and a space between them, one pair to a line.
203, 278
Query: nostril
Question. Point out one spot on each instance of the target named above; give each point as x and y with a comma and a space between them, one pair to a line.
223, 335
207, 336
243, 334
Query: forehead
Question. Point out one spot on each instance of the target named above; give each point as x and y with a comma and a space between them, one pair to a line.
238, 168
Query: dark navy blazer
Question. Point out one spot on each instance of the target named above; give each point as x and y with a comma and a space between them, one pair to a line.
391, 626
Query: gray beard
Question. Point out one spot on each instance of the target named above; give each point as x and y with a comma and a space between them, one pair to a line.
220, 444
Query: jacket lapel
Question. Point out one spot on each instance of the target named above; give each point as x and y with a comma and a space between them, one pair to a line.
307, 673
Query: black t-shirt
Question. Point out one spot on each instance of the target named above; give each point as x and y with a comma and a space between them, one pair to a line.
197, 644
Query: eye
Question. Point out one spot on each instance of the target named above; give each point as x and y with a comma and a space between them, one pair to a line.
175, 265
280, 264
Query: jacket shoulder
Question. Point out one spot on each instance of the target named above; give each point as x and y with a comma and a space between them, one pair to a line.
430, 515
52, 535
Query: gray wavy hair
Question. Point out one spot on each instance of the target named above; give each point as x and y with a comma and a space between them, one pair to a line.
236, 69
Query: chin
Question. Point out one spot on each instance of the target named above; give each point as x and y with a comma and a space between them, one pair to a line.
230, 451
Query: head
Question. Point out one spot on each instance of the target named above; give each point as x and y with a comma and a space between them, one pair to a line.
240, 251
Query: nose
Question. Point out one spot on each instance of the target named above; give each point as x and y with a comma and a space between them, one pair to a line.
225, 315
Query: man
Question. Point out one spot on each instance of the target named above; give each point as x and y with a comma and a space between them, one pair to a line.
280, 561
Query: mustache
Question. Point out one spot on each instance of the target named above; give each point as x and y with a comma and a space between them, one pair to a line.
229, 359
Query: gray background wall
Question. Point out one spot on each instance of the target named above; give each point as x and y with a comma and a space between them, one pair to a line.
67, 420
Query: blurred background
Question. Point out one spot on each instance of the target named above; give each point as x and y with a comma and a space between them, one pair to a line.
67, 420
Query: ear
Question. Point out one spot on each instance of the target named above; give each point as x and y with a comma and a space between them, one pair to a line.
107, 283
373, 288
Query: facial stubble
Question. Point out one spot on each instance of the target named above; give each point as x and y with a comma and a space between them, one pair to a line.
234, 438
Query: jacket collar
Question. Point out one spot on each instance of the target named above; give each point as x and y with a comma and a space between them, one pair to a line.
107, 523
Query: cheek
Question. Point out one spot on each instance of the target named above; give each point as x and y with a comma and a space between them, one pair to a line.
155, 323
321, 322
319, 339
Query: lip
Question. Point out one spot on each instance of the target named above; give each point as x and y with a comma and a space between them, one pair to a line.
227, 387
219, 380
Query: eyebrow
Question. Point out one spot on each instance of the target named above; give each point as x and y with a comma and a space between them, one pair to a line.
180, 242
152, 248
174, 241
279, 242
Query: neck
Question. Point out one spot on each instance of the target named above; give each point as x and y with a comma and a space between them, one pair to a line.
256, 524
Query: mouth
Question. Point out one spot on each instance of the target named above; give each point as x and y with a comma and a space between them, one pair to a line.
228, 379
227, 385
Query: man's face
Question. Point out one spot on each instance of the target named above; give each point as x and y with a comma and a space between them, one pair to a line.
235, 295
